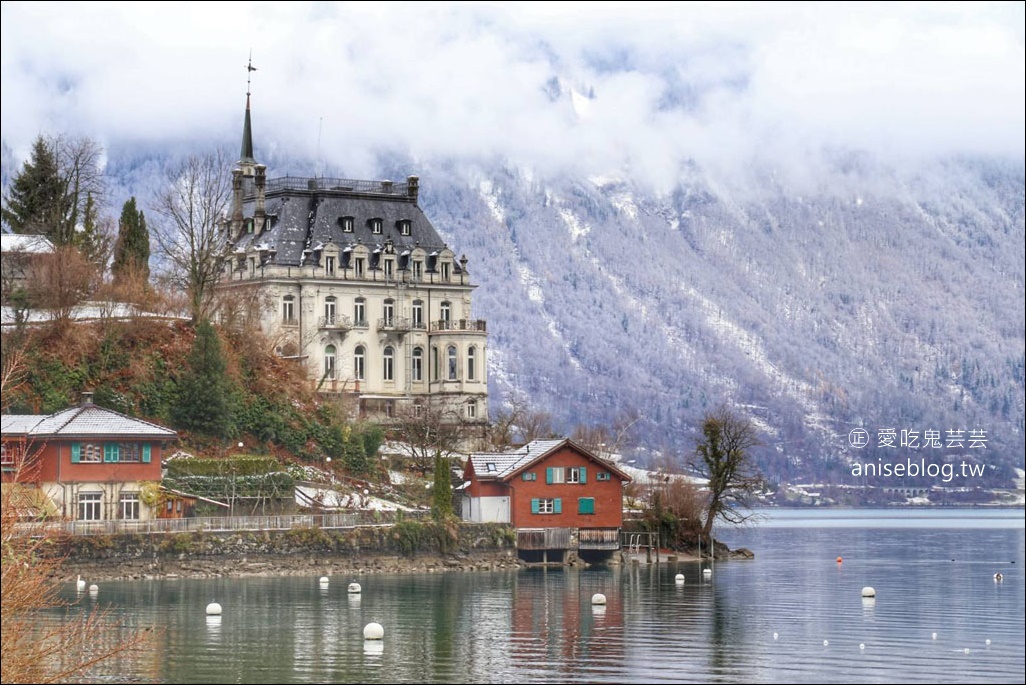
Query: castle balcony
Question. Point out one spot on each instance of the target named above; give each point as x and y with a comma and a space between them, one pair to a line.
334, 323
394, 324
459, 326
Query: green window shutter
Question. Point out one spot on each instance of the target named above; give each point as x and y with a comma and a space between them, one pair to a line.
525, 476
108, 452
146, 453
534, 506
548, 475
557, 505
76, 452
584, 474
585, 505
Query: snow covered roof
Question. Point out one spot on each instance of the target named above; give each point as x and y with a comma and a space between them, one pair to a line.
500, 465
85, 421
35, 244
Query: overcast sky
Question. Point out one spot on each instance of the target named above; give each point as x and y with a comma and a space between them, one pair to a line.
714, 82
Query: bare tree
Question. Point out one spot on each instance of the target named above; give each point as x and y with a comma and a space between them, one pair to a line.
80, 161
606, 441
427, 433
189, 208
518, 424
723, 455
61, 282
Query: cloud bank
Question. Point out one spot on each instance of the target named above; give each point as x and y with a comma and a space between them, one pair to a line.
639, 88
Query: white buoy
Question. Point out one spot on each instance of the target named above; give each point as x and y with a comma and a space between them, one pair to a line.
998, 577
213, 609
868, 592
934, 636
966, 650
80, 584
707, 572
355, 589
373, 631
324, 580
598, 598
775, 636
826, 643
679, 579
862, 645
94, 589
988, 642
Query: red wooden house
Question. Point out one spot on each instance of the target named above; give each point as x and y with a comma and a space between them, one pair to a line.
90, 461
557, 494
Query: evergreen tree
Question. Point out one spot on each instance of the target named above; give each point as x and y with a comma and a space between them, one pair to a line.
441, 507
132, 250
204, 402
91, 241
35, 201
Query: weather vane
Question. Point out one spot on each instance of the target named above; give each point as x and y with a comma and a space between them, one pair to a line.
249, 71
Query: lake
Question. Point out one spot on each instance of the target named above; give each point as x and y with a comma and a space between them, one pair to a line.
793, 614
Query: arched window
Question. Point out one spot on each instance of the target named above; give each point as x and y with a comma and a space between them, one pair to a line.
358, 367
329, 361
360, 312
453, 363
330, 311
418, 314
417, 371
471, 364
388, 370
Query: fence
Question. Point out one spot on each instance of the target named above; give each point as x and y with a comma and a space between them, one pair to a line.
213, 524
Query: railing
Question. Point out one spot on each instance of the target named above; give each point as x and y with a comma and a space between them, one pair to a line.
338, 184
478, 325
393, 323
598, 538
543, 538
213, 524
340, 323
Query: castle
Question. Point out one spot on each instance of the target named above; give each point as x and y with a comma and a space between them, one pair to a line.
351, 278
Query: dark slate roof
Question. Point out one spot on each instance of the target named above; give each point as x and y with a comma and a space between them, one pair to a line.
300, 218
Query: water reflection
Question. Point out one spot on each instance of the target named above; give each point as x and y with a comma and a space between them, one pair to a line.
761, 620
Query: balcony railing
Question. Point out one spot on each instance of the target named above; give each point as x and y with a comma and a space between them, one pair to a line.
335, 323
473, 325
396, 324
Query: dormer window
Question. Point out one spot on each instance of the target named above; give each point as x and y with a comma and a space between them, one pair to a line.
445, 271
404, 226
347, 224
375, 226
249, 225
389, 269
329, 266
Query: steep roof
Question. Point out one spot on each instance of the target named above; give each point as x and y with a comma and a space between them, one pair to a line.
85, 421
503, 465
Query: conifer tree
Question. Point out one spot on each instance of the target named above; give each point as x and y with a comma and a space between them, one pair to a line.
92, 242
132, 250
35, 201
441, 507
204, 402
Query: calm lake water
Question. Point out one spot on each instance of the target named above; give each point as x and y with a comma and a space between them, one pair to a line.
764, 620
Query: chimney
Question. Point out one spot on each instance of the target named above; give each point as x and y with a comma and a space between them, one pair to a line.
87, 399
412, 187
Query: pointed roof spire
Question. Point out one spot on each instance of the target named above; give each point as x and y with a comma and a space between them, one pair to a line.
246, 156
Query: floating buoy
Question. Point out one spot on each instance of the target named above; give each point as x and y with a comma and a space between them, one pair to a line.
998, 577
94, 589
826, 643
774, 636
966, 650
987, 642
598, 598
213, 609
868, 592
355, 589
679, 579
324, 580
373, 631
706, 572
935, 636
80, 584
862, 645
839, 560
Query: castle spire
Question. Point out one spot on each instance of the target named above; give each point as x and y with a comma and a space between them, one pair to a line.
246, 159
